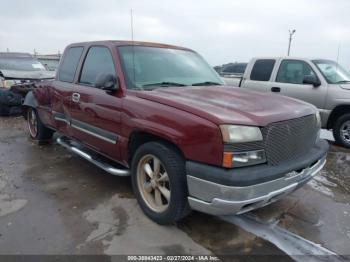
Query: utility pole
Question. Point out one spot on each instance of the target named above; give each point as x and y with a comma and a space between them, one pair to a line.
291, 33
338, 57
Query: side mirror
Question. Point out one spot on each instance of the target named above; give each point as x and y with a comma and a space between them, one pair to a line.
311, 80
107, 82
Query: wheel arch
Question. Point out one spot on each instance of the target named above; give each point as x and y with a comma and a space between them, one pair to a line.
337, 112
29, 101
138, 138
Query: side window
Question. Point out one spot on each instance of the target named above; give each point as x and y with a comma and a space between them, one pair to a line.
262, 69
69, 64
293, 72
98, 61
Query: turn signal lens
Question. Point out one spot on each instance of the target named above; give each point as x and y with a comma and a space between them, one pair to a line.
240, 159
227, 160
8, 83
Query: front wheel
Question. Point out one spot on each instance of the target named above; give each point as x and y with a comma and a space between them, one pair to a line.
341, 131
37, 130
159, 182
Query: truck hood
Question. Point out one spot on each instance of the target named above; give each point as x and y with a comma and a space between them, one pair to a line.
26, 75
229, 105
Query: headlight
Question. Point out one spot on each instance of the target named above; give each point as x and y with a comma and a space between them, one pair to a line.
318, 118
319, 124
240, 159
240, 134
7, 83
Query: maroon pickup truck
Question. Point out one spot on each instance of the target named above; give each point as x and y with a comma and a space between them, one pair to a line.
161, 114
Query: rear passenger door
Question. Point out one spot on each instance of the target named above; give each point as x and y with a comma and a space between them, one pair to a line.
96, 114
260, 75
289, 82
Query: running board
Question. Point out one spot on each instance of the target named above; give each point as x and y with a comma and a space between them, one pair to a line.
92, 157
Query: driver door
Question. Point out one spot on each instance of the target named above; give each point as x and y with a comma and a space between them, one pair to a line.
96, 114
289, 82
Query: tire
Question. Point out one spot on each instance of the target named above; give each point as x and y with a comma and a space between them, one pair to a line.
4, 110
341, 131
170, 163
37, 130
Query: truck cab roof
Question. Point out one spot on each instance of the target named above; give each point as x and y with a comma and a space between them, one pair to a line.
287, 57
128, 43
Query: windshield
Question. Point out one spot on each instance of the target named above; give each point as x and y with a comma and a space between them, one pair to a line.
49, 64
332, 71
21, 64
151, 67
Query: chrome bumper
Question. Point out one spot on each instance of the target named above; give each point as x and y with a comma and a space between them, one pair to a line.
216, 199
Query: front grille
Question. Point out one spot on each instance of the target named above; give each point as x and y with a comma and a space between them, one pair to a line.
243, 147
288, 140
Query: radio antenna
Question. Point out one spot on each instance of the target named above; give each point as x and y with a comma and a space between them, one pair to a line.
132, 41
132, 25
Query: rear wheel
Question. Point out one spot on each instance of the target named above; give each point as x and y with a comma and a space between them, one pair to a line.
341, 131
37, 130
159, 182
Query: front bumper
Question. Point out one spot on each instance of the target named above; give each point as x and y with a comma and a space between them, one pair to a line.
219, 199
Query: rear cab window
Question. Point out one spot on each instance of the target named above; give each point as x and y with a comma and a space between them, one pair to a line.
69, 64
262, 69
98, 61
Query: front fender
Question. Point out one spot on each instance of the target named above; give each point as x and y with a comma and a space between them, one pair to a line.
30, 101
199, 139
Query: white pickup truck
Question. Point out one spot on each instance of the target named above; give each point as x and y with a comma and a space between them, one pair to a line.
323, 83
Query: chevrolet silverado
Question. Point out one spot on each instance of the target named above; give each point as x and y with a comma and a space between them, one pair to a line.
162, 115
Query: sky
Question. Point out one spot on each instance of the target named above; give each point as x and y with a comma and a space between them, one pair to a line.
221, 31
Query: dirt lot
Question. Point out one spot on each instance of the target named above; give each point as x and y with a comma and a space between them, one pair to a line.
52, 202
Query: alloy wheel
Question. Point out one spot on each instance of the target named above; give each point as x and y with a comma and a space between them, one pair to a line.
32, 122
345, 131
153, 183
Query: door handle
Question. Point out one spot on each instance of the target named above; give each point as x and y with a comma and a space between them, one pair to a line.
76, 97
275, 89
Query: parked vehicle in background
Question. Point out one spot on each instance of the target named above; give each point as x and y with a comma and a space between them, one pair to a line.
232, 73
17, 73
50, 62
160, 114
233, 69
16, 68
321, 82
217, 69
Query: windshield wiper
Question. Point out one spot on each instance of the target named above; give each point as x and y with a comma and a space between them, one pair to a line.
343, 81
165, 84
207, 83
